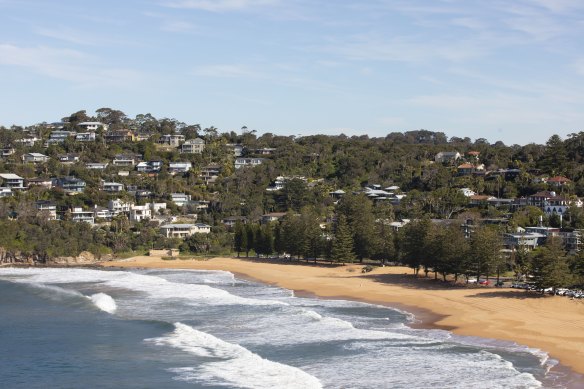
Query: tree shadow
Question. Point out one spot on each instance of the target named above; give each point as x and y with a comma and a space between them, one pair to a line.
409, 280
510, 294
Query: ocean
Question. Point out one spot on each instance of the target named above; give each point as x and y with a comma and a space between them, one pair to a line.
86, 328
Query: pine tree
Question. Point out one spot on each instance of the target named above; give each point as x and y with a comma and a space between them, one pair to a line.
342, 250
239, 238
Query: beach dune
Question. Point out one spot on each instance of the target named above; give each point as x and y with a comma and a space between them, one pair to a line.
551, 323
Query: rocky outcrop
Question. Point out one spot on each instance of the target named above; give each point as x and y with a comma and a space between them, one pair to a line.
19, 258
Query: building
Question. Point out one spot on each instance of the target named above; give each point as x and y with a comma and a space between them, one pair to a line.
112, 187
96, 165
174, 140
180, 199
78, 214
558, 181
230, 221
193, 146
125, 160
7, 152
59, 136
118, 206
210, 173
5, 192
85, 137
68, 158
119, 136
272, 217
140, 212
149, 167
47, 208
34, 158
102, 213
44, 182
248, 162
70, 184
92, 126
179, 167
12, 181
447, 157
184, 230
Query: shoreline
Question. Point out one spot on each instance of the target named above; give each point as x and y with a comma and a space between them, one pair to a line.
552, 324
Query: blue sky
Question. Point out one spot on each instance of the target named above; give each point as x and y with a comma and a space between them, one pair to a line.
508, 70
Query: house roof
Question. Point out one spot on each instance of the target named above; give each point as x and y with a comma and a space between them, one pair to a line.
170, 226
558, 179
10, 176
474, 153
480, 197
466, 166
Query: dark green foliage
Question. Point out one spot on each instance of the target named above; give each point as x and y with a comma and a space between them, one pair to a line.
342, 246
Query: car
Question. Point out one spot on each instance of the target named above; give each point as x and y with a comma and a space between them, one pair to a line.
471, 280
484, 282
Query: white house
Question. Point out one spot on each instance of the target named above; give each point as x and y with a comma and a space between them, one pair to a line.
96, 165
193, 146
92, 126
118, 206
184, 230
85, 137
447, 156
248, 162
179, 167
180, 199
34, 158
12, 181
78, 214
112, 187
5, 192
140, 212
48, 208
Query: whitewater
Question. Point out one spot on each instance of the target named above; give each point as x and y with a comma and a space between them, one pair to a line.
208, 329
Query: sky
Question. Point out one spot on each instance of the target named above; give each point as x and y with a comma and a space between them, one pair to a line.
509, 70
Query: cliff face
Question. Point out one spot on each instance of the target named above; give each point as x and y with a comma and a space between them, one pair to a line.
19, 258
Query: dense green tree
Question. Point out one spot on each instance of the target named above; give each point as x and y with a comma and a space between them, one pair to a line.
342, 246
550, 267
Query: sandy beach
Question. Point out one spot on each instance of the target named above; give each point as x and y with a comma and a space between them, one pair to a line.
550, 323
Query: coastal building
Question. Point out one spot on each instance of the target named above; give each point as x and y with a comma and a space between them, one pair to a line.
92, 126
39, 181
68, 158
47, 208
5, 192
59, 136
119, 136
193, 146
447, 157
173, 140
125, 160
112, 187
85, 137
34, 158
210, 173
179, 167
119, 206
149, 166
12, 181
70, 184
140, 212
184, 230
7, 152
96, 165
248, 162
180, 199
78, 214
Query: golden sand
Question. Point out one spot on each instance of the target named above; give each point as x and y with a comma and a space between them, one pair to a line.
551, 323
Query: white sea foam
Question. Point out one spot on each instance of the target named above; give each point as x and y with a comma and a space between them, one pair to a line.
234, 365
154, 286
104, 302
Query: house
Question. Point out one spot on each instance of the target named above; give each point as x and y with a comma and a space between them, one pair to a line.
68, 158
58, 136
149, 167
85, 137
447, 157
193, 146
539, 199
96, 165
467, 192
237, 149
12, 181
140, 212
180, 199
272, 217
210, 173
230, 221
70, 184
28, 142
92, 126
118, 206
125, 160
44, 182
102, 213
248, 162
558, 181
34, 158
119, 136
337, 194
7, 152
174, 140
265, 151
466, 169
143, 194
184, 230
529, 241
157, 207
479, 200
559, 205
199, 205
47, 208
78, 214
112, 187
5, 192
179, 167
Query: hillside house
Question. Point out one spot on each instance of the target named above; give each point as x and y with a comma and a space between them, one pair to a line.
180, 199
12, 181
558, 181
179, 167
96, 165
112, 187
248, 162
59, 136
125, 160
140, 212
7, 152
447, 157
85, 137
149, 166
193, 146
210, 173
92, 126
184, 230
47, 208
174, 140
119, 136
34, 158
68, 158
44, 182
78, 214
70, 184
5, 192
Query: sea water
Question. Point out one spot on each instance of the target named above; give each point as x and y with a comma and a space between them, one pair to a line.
83, 328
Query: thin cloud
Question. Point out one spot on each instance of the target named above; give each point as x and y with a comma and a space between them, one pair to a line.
68, 65
226, 71
220, 5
